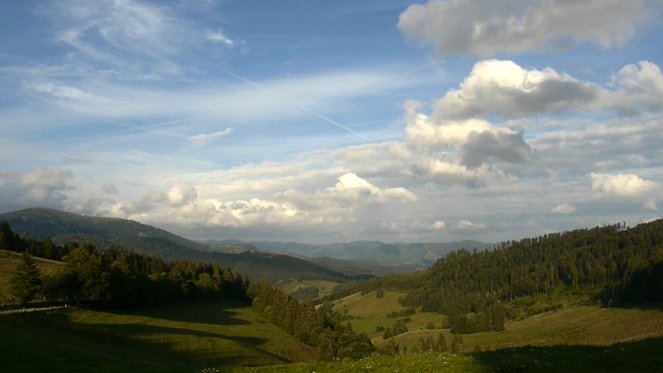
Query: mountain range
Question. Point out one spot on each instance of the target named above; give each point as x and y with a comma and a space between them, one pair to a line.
260, 260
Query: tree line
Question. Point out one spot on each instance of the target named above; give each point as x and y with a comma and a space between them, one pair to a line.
625, 265
313, 326
115, 278
120, 279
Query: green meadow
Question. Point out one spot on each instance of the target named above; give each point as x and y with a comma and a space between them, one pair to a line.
164, 339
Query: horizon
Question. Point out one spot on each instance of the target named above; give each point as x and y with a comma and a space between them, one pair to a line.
396, 121
221, 240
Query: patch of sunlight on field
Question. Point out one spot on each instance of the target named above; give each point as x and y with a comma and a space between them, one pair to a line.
586, 325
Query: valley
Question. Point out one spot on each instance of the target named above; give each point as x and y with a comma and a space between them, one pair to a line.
155, 315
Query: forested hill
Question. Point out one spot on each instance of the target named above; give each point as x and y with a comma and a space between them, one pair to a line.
64, 228
618, 264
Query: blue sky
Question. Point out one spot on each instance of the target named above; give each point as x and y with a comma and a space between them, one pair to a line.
323, 121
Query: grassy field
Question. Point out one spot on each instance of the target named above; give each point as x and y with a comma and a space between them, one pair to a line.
372, 312
324, 287
641, 356
8, 262
571, 325
164, 339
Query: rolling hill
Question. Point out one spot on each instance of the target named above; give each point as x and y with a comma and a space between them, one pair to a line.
63, 227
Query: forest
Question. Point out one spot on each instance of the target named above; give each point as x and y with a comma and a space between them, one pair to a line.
614, 264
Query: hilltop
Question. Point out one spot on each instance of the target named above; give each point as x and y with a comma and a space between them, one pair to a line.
63, 227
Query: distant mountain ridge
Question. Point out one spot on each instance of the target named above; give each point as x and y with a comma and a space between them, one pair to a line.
337, 261
64, 227
407, 256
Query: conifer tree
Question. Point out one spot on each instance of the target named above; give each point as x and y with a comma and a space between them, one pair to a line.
25, 282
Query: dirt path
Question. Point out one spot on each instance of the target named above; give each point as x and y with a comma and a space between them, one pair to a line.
38, 309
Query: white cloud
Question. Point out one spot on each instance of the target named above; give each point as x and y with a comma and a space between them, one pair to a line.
621, 185
471, 144
439, 225
41, 187
63, 91
639, 87
180, 195
466, 224
353, 188
205, 138
220, 37
506, 89
489, 27
563, 208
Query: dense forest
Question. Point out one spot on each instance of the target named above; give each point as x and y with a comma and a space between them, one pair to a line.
117, 279
618, 264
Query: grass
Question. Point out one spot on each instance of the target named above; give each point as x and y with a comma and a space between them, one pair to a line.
8, 262
640, 356
164, 339
324, 287
372, 312
584, 325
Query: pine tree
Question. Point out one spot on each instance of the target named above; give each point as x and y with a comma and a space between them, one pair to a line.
457, 344
441, 343
25, 282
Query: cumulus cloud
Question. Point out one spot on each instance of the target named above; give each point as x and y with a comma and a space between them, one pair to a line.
439, 225
351, 187
563, 208
483, 146
489, 27
180, 195
621, 185
42, 187
639, 87
205, 138
470, 144
504, 88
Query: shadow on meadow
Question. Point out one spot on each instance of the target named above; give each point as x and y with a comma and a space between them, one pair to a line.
214, 313
642, 356
53, 341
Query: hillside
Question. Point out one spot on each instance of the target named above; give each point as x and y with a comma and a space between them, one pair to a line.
8, 262
164, 339
63, 227
479, 290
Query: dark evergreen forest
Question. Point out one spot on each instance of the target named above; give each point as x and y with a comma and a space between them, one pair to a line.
615, 263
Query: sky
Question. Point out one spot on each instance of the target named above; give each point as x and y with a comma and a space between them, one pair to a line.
333, 121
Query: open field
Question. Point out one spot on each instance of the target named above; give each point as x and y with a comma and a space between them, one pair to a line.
585, 325
172, 338
641, 356
324, 287
372, 312
8, 262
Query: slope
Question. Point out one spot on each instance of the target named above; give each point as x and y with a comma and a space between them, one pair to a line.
63, 227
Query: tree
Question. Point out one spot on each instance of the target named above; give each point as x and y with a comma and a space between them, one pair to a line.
441, 343
25, 282
457, 344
